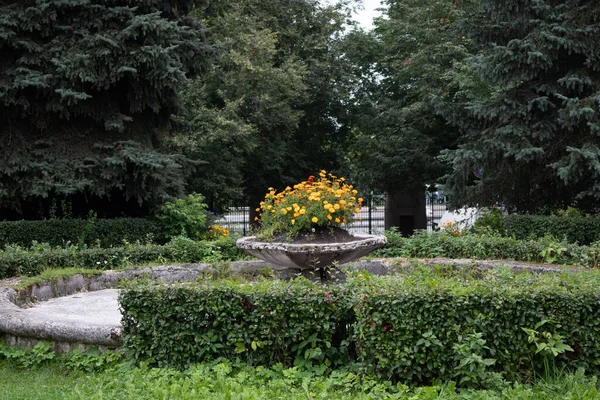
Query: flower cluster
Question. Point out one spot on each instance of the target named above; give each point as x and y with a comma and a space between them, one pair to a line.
324, 202
452, 228
216, 232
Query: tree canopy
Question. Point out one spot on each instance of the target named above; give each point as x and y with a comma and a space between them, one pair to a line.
86, 93
535, 140
416, 52
270, 111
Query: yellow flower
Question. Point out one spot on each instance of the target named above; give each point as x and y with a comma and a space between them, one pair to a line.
337, 220
315, 220
293, 221
329, 217
283, 211
302, 211
337, 206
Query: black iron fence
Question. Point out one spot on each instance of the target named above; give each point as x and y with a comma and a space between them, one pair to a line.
236, 219
435, 206
372, 215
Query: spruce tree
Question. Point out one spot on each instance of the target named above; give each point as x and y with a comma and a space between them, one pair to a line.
87, 90
534, 144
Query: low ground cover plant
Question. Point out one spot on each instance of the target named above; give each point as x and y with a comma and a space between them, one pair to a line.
91, 375
415, 328
489, 246
19, 261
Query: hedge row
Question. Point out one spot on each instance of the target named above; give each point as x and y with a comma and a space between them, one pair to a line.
62, 232
19, 261
573, 229
442, 244
264, 323
415, 329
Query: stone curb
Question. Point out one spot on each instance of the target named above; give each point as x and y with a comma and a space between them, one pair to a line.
13, 323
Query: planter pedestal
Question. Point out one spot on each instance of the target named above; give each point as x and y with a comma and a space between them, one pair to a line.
307, 257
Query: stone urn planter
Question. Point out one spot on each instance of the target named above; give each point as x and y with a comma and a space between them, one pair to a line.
311, 256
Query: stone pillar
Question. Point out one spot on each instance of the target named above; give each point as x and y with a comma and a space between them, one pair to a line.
405, 210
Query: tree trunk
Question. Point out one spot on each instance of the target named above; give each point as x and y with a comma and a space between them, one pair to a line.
405, 210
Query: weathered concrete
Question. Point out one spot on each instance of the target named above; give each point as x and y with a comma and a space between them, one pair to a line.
83, 311
90, 318
311, 255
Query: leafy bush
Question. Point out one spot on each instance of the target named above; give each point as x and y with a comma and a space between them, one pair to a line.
92, 231
485, 246
491, 221
264, 323
408, 328
187, 217
572, 228
19, 261
417, 329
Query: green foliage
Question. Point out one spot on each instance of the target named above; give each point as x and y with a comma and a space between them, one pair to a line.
473, 370
491, 221
407, 328
416, 54
298, 323
485, 246
186, 217
86, 93
92, 231
416, 328
574, 229
535, 139
20, 261
216, 381
42, 354
272, 108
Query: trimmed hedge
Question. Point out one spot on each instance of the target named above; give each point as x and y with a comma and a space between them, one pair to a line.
442, 244
20, 261
574, 229
408, 328
404, 329
264, 323
61, 232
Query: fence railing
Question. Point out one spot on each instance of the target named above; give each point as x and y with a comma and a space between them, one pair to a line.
236, 219
372, 215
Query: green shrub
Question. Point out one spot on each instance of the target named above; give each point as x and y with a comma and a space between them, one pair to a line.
188, 217
92, 231
266, 323
20, 261
572, 228
491, 221
416, 329
408, 328
484, 246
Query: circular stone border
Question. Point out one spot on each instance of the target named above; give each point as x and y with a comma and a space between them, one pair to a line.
18, 329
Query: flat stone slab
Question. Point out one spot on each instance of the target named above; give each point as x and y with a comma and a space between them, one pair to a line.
87, 318
100, 308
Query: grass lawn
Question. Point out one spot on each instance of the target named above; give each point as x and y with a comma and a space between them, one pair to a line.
221, 381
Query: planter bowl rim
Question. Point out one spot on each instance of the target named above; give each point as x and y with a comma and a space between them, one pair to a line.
252, 243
